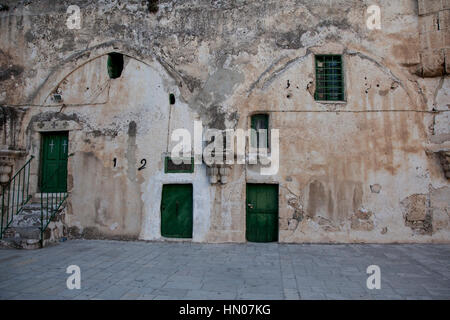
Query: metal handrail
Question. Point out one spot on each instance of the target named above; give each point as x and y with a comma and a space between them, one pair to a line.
14, 204
50, 208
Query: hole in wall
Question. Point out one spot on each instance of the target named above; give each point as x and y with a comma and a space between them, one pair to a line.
115, 65
153, 6
172, 98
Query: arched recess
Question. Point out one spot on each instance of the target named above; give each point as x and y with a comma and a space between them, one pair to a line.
78, 59
391, 69
107, 183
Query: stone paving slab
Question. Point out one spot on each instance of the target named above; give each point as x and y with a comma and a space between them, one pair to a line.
164, 270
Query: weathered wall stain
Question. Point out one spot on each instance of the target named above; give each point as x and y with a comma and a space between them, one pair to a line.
368, 169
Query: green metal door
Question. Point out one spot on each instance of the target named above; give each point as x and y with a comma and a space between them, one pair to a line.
54, 162
262, 212
176, 211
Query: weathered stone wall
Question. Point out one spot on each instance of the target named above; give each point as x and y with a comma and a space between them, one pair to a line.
434, 26
364, 170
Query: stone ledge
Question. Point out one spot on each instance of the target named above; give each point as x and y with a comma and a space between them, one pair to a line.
56, 125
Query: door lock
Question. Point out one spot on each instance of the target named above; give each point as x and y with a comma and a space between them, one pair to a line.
250, 206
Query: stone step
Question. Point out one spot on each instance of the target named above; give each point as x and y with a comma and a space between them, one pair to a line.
24, 231
37, 197
19, 243
27, 219
34, 206
30, 217
29, 232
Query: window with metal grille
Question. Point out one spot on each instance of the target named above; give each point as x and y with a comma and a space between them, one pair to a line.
329, 78
260, 135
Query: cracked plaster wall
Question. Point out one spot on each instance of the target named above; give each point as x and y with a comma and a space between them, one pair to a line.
225, 60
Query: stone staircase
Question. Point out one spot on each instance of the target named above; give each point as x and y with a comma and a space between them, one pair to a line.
24, 231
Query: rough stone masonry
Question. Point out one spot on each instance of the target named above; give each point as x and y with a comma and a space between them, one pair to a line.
372, 167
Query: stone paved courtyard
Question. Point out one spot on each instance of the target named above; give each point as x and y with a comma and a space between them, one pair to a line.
154, 270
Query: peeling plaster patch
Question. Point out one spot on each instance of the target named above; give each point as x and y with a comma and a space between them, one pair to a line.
362, 220
415, 207
295, 204
290, 39
416, 213
327, 225
217, 89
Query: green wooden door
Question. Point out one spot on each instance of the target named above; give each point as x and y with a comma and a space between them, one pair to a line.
262, 212
54, 162
176, 211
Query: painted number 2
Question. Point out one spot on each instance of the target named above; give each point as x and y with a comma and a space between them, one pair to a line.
144, 163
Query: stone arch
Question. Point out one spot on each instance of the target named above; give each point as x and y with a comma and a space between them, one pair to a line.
403, 78
79, 59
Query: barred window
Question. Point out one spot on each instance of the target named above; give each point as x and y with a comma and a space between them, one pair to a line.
329, 78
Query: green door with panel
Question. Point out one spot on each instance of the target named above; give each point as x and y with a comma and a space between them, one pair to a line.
262, 213
54, 162
176, 211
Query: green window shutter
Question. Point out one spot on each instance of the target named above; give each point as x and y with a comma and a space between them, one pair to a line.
329, 78
260, 122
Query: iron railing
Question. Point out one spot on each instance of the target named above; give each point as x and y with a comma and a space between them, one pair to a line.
15, 195
51, 202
